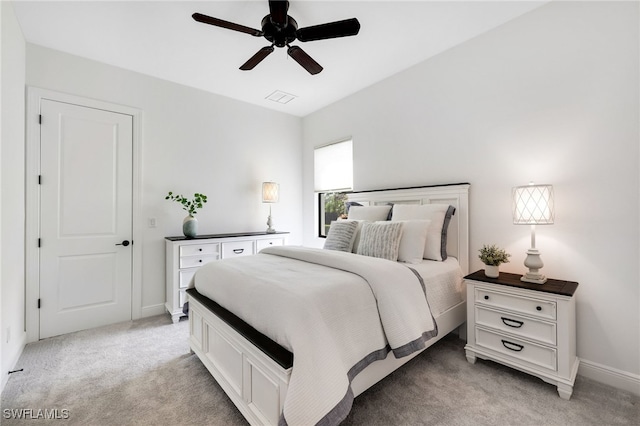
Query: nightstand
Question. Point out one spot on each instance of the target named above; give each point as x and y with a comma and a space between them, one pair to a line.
185, 255
529, 327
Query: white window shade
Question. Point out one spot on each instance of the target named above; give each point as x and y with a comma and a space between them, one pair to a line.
333, 167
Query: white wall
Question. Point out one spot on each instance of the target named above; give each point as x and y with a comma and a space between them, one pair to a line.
192, 141
12, 259
551, 97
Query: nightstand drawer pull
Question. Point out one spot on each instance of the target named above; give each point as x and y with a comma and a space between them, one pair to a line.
538, 308
486, 297
514, 346
238, 251
511, 322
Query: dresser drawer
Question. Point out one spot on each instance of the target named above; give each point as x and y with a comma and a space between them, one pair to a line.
237, 248
198, 249
531, 353
195, 261
260, 244
185, 277
529, 306
541, 331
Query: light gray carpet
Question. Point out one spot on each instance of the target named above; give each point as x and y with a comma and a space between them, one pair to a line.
142, 373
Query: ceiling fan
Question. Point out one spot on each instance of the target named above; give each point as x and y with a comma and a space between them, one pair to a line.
281, 29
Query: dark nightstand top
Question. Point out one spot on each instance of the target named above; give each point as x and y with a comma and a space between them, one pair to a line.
235, 234
564, 288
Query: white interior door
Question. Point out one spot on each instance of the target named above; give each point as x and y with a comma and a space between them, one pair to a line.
85, 217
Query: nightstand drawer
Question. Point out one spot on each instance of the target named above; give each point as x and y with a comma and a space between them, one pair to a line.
260, 244
237, 248
539, 355
542, 331
529, 306
195, 261
198, 249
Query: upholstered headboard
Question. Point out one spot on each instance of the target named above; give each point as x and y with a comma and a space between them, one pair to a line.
456, 195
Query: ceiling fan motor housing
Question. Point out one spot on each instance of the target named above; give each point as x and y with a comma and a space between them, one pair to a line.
279, 35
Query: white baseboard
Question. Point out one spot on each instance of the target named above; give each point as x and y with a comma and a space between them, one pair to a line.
153, 310
14, 360
610, 376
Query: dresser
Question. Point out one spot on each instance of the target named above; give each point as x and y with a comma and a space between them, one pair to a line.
185, 255
529, 327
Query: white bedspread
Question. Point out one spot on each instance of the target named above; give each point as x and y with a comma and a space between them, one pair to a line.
334, 320
444, 283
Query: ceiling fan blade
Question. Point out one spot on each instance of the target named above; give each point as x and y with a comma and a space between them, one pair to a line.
226, 24
278, 10
307, 62
257, 58
345, 28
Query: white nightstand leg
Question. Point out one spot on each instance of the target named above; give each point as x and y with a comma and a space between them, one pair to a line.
565, 391
175, 318
471, 357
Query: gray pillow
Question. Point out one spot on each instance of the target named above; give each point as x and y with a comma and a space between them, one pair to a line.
380, 239
341, 235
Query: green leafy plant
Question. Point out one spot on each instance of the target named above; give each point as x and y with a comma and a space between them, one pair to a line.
190, 205
493, 255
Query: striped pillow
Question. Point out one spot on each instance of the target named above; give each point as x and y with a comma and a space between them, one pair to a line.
380, 239
341, 235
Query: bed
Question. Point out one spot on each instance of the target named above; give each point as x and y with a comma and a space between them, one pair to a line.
350, 328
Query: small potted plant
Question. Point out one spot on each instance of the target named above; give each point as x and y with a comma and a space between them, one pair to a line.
493, 256
190, 223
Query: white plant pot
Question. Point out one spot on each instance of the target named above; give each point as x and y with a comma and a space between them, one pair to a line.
491, 271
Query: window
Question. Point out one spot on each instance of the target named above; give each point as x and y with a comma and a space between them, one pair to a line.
333, 178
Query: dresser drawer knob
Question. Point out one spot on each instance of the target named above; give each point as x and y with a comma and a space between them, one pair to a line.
511, 322
512, 346
200, 260
538, 308
486, 297
199, 249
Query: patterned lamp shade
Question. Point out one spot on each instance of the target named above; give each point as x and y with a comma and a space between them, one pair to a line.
533, 205
270, 192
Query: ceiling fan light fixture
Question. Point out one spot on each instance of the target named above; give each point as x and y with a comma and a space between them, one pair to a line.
281, 29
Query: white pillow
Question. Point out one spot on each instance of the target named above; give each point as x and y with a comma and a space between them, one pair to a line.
370, 213
341, 235
380, 239
414, 236
440, 214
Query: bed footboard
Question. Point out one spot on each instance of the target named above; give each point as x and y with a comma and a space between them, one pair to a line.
254, 382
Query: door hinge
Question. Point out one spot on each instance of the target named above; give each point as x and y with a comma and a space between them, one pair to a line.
39, 304
39, 179
40, 119
39, 242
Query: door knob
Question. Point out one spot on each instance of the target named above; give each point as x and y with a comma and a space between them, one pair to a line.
124, 243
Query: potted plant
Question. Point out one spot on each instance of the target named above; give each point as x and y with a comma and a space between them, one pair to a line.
191, 205
493, 256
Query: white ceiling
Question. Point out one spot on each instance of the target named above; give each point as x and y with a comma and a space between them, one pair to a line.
159, 38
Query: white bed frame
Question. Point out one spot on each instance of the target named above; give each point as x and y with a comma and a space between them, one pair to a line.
256, 383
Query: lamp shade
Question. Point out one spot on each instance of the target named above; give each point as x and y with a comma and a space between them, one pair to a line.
533, 205
270, 192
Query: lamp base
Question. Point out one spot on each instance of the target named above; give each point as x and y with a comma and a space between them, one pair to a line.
533, 278
534, 263
270, 229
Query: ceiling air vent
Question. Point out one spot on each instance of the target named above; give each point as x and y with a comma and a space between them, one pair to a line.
281, 97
